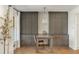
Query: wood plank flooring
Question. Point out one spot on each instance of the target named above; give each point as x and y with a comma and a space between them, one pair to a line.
55, 50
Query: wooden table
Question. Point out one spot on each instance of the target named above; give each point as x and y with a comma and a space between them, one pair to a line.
49, 37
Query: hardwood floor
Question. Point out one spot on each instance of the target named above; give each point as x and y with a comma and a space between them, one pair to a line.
55, 50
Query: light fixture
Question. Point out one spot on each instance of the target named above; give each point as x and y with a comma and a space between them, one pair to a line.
44, 16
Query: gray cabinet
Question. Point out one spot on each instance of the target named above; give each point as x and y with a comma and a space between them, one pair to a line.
58, 22
58, 25
29, 27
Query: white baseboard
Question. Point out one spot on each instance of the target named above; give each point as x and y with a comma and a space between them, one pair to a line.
74, 48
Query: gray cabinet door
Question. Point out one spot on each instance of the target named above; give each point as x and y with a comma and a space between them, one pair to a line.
29, 27
26, 23
58, 25
34, 23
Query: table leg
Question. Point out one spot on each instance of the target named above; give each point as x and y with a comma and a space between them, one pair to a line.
51, 45
37, 46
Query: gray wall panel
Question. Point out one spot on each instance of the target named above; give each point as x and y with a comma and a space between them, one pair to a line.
29, 27
58, 25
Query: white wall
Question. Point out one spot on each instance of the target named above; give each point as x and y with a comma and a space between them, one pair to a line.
78, 31
73, 28
43, 22
72, 31
16, 28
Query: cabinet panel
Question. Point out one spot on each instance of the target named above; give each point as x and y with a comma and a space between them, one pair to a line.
29, 27
58, 23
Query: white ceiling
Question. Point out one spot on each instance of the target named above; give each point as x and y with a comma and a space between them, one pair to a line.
41, 7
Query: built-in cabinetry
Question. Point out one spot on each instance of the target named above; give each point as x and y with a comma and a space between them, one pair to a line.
58, 26
29, 27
